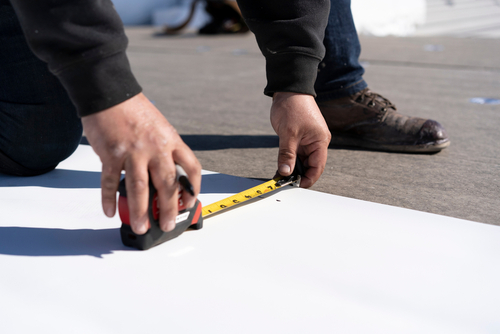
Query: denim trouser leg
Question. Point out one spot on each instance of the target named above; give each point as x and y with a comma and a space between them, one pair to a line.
340, 73
38, 123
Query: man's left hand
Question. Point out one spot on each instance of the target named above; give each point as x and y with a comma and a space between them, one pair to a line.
302, 132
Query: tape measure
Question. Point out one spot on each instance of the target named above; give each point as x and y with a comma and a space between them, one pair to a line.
193, 217
276, 183
249, 194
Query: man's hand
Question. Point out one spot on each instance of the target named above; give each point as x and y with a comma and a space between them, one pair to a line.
135, 137
303, 132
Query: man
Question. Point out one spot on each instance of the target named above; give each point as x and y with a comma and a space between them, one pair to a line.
83, 44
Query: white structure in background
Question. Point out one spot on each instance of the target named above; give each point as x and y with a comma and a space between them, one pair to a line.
379, 18
388, 17
462, 18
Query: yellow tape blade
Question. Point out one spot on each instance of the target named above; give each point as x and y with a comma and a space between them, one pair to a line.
243, 196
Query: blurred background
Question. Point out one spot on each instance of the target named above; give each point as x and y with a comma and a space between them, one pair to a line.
462, 18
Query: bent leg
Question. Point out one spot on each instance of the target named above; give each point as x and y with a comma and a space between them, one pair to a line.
38, 123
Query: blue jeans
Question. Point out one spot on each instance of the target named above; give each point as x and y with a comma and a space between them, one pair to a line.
38, 123
340, 74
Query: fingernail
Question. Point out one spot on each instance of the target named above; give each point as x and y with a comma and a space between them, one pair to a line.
284, 169
142, 228
109, 212
170, 225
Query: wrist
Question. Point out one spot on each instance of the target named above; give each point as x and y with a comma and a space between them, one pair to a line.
281, 96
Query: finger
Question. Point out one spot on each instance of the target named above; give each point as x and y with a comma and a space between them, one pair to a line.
137, 183
316, 162
187, 160
110, 179
164, 179
287, 155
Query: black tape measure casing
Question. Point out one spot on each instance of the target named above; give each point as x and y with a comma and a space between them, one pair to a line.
187, 218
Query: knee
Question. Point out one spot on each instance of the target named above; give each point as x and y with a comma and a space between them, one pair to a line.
39, 150
47, 153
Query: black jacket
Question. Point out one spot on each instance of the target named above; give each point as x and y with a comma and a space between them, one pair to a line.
83, 43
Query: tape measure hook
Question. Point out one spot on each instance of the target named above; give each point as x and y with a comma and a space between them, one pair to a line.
293, 180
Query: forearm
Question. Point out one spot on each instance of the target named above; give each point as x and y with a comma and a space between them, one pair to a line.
290, 35
83, 43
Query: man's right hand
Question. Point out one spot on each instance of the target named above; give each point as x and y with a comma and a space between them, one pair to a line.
134, 136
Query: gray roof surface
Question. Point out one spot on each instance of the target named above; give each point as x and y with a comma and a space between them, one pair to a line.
210, 89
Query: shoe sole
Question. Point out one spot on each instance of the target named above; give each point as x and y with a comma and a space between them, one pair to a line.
359, 143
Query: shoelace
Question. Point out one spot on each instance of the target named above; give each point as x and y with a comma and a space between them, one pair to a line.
366, 94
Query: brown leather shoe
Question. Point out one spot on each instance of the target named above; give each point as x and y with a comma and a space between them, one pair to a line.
370, 121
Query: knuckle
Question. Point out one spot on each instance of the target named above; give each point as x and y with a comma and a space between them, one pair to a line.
138, 185
325, 142
108, 170
170, 180
191, 164
109, 183
116, 149
289, 132
286, 154
328, 135
167, 183
194, 169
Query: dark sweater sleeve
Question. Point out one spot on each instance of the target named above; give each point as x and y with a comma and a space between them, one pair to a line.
83, 43
290, 35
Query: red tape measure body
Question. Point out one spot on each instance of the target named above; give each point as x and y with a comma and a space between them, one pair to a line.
187, 218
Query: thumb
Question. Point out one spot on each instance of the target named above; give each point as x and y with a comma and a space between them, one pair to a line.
286, 156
